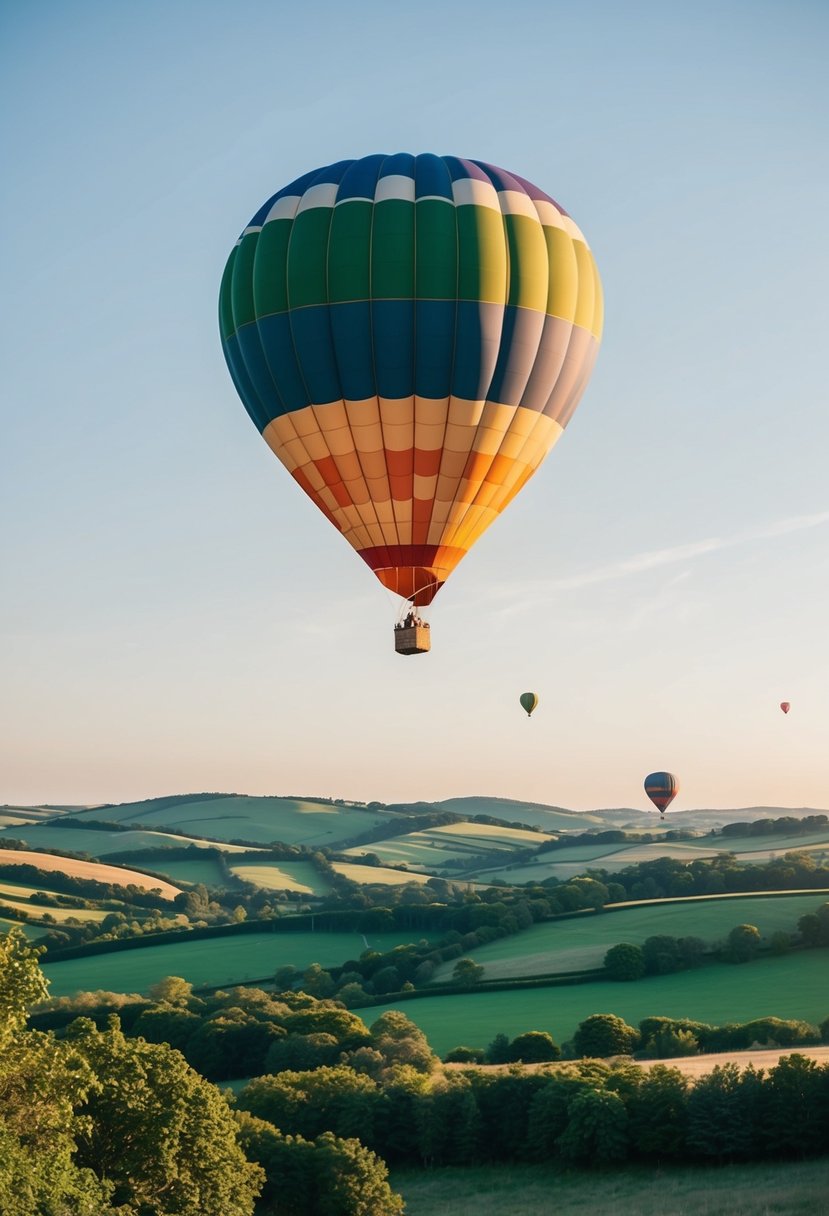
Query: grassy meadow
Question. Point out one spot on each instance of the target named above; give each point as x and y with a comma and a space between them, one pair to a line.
580, 943
100, 843
301, 876
790, 1188
239, 817
794, 986
212, 961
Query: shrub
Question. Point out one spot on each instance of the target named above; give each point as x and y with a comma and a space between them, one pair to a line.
625, 962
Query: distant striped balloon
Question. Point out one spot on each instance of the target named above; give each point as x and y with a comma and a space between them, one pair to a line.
528, 700
411, 334
661, 788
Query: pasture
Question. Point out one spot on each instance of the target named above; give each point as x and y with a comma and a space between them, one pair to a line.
192, 870
782, 1188
212, 961
88, 869
580, 943
100, 843
431, 848
793, 986
300, 876
32, 932
239, 817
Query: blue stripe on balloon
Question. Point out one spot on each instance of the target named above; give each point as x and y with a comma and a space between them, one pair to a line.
277, 339
244, 385
432, 177
360, 179
258, 372
435, 339
311, 333
401, 164
391, 323
351, 335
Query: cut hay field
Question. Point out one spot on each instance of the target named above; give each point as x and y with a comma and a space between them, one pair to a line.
212, 961
794, 986
570, 862
239, 817
59, 914
578, 944
378, 874
548, 818
782, 1188
301, 876
88, 869
100, 843
432, 848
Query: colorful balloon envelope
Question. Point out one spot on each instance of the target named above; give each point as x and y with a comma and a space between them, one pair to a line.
411, 335
661, 788
528, 700
785, 706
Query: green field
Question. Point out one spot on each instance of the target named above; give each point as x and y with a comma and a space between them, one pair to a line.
100, 843
205, 870
33, 932
580, 943
301, 876
794, 986
212, 961
433, 847
239, 817
569, 862
784, 1188
548, 818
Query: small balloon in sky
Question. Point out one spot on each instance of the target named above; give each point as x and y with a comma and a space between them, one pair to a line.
661, 788
528, 700
410, 335
785, 706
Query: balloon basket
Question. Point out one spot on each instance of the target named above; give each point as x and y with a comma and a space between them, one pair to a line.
412, 639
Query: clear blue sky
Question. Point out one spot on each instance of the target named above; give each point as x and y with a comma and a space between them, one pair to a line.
176, 616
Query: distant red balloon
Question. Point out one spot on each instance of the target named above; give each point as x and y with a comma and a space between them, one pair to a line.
785, 706
661, 788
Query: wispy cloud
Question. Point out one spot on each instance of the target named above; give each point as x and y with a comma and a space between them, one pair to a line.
530, 593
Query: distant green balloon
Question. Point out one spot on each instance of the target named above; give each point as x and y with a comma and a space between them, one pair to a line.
528, 700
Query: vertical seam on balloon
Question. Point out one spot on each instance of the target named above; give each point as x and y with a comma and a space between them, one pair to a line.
448, 537
287, 413
475, 501
373, 347
376, 521
236, 329
333, 346
448, 531
450, 395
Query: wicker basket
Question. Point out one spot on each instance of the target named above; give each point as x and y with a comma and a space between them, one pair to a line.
414, 639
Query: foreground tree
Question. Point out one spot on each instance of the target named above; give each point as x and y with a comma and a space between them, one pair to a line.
158, 1131
326, 1177
40, 1084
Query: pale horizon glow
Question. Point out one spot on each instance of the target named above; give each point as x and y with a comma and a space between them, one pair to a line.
176, 617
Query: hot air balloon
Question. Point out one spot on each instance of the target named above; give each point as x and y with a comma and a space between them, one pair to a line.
411, 335
661, 788
528, 700
785, 706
